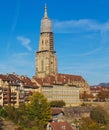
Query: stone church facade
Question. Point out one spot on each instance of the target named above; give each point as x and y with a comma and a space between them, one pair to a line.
47, 77
46, 61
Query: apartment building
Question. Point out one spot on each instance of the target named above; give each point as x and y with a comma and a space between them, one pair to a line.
15, 89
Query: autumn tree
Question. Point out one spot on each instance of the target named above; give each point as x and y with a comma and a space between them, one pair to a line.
33, 128
85, 96
56, 103
10, 112
38, 110
99, 115
32, 116
3, 112
103, 95
89, 124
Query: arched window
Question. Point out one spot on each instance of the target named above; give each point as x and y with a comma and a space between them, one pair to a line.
46, 41
42, 65
42, 42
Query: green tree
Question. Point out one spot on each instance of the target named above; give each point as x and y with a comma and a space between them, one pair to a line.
32, 116
99, 115
89, 124
20, 114
56, 103
33, 128
10, 112
38, 110
3, 112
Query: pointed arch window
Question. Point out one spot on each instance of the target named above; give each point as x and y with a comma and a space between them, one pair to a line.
46, 41
42, 65
42, 42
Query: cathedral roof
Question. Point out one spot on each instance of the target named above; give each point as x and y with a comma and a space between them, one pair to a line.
60, 79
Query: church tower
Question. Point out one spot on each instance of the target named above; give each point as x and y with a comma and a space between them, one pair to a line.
46, 61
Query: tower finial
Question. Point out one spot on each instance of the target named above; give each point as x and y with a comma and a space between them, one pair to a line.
45, 12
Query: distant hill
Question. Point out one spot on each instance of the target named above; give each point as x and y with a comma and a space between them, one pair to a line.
104, 84
101, 84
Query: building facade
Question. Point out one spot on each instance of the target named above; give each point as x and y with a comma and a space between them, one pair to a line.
53, 85
68, 94
62, 87
15, 89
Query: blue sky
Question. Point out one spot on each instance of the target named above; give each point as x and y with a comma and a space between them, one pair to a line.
81, 32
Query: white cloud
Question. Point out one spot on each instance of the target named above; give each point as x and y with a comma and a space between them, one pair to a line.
25, 42
76, 26
92, 52
81, 25
105, 33
84, 27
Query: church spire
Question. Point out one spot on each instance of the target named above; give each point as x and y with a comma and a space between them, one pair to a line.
46, 24
45, 12
45, 57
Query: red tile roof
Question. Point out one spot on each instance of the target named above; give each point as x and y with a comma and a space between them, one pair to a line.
58, 79
61, 126
4, 77
56, 111
27, 82
15, 80
14, 77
